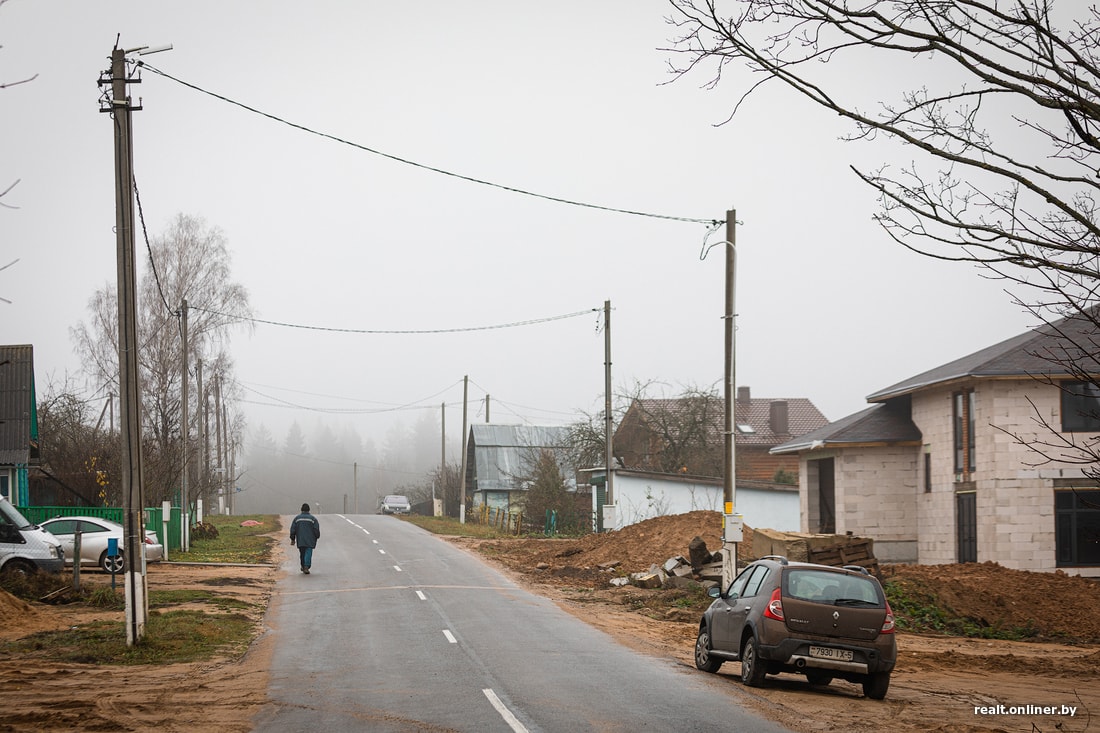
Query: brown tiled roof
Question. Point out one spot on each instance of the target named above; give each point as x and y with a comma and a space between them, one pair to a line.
802, 417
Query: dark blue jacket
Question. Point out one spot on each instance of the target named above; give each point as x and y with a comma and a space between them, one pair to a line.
305, 530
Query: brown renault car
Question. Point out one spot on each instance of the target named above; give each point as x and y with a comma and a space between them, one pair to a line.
821, 621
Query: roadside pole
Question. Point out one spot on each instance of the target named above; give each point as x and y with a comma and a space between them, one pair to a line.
120, 110
732, 523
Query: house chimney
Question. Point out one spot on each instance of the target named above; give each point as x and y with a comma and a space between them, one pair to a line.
743, 395
778, 417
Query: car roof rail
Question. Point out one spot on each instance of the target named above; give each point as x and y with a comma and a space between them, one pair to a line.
858, 569
778, 558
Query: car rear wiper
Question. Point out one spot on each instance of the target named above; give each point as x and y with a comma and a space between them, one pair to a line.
853, 602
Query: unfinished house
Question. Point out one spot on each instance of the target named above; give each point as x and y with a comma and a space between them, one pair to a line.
972, 461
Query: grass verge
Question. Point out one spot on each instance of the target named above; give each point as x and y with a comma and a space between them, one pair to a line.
230, 542
452, 527
222, 624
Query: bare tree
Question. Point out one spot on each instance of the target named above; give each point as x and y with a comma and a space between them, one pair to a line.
79, 456
190, 261
1003, 129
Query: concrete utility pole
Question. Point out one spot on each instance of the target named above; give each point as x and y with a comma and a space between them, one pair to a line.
204, 459
355, 484
442, 461
220, 470
465, 395
609, 497
128, 376
731, 521
185, 434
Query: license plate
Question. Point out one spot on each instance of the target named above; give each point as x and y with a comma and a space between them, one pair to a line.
824, 652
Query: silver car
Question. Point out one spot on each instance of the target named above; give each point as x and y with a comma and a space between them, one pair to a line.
94, 534
395, 504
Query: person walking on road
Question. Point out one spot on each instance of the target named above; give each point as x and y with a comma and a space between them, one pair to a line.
305, 530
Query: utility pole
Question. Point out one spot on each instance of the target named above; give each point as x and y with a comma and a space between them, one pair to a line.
204, 459
486, 409
732, 524
120, 109
355, 484
609, 497
220, 470
465, 395
185, 433
442, 461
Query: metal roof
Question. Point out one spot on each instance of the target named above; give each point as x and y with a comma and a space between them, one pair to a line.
881, 424
18, 418
1040, 352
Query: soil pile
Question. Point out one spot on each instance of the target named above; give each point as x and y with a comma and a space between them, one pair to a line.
1045, 606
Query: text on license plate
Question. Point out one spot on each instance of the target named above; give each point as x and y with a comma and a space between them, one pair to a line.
824, 652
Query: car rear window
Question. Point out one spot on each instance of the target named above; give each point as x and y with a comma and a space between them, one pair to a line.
823, 586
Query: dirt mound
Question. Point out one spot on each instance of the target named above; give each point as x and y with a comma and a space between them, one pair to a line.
13, 609
635, 548
989, 597
1048, 606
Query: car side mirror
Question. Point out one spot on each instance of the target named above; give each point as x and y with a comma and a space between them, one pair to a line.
714, 591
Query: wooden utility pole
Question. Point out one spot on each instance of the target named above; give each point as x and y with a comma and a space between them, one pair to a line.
128, 376
486, 409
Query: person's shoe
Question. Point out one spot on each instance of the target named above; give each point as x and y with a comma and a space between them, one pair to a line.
306, 571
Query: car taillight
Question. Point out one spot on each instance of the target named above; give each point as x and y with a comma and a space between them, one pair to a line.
148, 541
774, 608
888, 622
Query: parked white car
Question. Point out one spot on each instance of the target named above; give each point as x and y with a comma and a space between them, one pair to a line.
94, 534
25, 548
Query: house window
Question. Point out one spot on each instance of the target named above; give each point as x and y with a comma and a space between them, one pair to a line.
965, 410
928, 473
1077, 527
1080, 407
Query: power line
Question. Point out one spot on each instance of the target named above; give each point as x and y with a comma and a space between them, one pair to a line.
422, 166
514, 324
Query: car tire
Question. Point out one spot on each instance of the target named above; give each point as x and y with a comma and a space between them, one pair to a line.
819, 679
876, 685
108, 563
703, 658
753, 668
19, 568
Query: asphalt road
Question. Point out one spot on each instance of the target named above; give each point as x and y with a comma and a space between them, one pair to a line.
397, 630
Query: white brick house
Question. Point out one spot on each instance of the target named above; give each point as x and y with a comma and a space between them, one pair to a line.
939, 470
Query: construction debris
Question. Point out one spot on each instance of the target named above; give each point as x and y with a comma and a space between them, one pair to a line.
823, 549
703, 568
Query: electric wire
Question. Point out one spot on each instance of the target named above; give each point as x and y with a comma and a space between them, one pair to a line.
407, 332
423, 166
